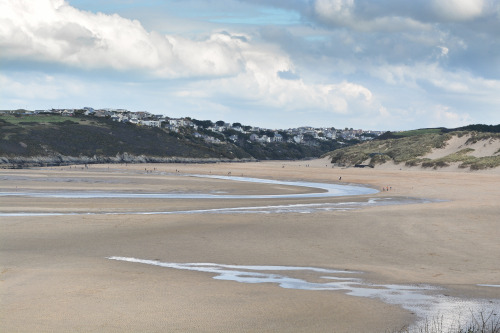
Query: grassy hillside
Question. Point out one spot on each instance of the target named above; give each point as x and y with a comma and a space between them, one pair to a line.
24, 137
45, 135
410, 148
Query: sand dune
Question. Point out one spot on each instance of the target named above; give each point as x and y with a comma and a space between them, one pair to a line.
482, 148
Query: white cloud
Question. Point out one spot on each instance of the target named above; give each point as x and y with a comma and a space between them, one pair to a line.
458, 10
343, 13
335, 11
391, 63
40, 86
256, 86
384, 113
441, 115
232, 66
444, 51
457, 81
53, 31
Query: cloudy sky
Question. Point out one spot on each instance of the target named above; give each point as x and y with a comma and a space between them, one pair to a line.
383, 65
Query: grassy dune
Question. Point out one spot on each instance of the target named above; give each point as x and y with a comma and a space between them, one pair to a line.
410, 148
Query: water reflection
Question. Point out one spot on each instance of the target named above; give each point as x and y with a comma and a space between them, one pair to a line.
424, 300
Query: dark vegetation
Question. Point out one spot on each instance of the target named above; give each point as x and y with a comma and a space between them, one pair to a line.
82, 136
50, 135
98, 139
270, 151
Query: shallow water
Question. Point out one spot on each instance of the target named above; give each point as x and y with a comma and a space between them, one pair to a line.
425, 301
271, 209
324, 190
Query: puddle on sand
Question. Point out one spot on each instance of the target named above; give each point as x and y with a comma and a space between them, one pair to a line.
425, 301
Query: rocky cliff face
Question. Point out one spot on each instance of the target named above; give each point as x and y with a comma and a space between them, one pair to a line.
56, 160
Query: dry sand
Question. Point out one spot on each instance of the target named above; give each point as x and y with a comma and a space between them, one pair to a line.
481, 148
54, 275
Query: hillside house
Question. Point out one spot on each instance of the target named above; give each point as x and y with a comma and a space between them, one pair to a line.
151, 123
298, 138
277, 137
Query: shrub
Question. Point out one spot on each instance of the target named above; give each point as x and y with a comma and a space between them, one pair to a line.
478, 323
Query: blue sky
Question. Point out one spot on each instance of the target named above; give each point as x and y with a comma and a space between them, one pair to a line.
383, 65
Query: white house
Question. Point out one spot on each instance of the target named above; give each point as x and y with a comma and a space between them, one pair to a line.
298, 138
264, 139
277, 137
151, 123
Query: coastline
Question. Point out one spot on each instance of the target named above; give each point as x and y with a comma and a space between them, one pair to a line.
59, 263
19, 162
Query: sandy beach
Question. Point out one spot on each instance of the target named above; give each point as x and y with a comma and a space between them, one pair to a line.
56, 275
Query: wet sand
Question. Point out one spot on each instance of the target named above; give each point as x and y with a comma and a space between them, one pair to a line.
55, 275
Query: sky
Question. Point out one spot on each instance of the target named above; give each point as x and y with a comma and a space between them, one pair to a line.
380, 65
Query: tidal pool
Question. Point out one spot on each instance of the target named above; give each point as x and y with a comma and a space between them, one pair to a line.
427, 302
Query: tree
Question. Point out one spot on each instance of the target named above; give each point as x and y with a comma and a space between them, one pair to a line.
203, 123
220, 123
237, 125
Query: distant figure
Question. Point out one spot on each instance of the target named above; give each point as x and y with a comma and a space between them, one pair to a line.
340, 178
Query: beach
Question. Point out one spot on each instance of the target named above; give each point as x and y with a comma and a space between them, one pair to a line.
56, 274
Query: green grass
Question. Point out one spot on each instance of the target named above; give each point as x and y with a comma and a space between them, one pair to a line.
466, 161
417, 132
475, 137
482, 163
457, 157
39, 119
